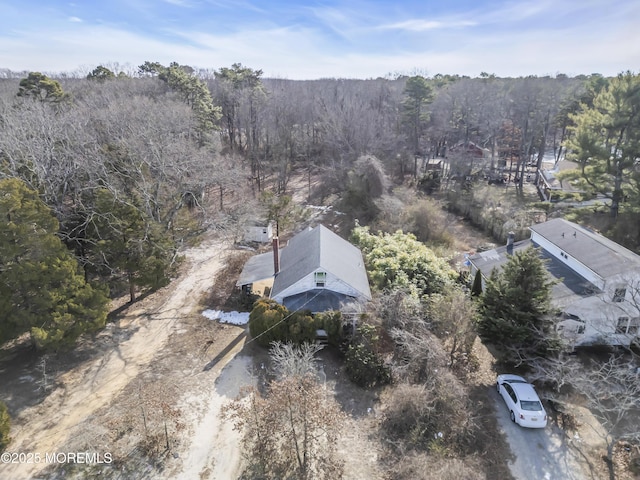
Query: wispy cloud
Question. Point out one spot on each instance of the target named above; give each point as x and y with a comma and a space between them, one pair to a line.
424, 25
180, 3
356, 39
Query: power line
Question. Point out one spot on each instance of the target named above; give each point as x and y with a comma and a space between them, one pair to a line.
284, 318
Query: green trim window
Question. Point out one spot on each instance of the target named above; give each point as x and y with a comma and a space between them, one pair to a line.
321, 279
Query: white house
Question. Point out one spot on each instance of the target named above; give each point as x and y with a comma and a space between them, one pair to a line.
597, 286
317, 270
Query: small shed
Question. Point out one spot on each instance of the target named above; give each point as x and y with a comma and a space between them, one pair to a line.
259, 232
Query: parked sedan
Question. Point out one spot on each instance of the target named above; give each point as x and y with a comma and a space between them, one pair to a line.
522, 401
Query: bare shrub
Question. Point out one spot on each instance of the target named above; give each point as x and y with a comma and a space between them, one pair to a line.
420, 466
428, 222
434, 416
419, 353
290, 360
223, 292
453, 315
291, 432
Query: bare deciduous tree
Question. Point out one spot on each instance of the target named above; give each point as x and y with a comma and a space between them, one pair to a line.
290, 432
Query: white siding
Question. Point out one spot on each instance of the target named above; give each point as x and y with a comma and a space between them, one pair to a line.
599, 315
258, 233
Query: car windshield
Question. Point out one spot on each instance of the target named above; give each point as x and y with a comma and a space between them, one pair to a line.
531, 406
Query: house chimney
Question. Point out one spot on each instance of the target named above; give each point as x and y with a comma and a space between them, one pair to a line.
276, 255
510, 239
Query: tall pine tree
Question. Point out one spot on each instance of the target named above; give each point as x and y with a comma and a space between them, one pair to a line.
515, 307
42, 288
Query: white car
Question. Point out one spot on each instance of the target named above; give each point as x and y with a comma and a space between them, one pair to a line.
522, 401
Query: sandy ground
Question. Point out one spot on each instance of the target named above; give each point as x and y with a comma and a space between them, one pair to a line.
82, 392
214, 451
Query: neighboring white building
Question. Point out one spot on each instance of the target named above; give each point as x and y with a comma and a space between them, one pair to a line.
258, 232
317, 270
598, 281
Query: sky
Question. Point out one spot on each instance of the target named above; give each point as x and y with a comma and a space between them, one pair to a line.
325, 39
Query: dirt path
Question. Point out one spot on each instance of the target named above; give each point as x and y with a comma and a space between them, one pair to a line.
94, 384
214, 451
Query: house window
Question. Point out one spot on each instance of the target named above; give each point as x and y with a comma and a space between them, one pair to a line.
619, 294
628, 326
623, 323
633, 326
321, 279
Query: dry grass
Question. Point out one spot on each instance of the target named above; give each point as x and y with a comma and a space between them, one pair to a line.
224, 293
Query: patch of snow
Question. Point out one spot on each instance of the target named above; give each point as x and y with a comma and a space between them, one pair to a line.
322, 208
235, 318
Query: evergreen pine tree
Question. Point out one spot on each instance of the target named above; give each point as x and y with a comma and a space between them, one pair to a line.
43, 289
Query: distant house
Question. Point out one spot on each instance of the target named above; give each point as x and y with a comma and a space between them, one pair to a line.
317, 270
598, 281
470, 150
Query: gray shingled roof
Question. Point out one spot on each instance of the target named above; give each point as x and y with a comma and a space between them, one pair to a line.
569, 286
601, 255
320, 248
258, 267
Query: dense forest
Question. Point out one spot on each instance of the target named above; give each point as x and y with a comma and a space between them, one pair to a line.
103, 177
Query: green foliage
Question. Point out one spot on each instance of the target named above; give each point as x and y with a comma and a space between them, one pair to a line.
605, 141
301, 327
429, 182
330, 322
240, 77
398, 260
271, 322
43, 291
280, 209
5, 426
364, 364
476, 288
101, 74
265, 322
127, 245
418, 94
235, 87
515, 306
41, 87
194, 91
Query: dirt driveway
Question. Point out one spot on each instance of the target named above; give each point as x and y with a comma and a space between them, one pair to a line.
159, 362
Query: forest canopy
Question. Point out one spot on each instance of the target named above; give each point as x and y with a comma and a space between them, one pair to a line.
131, 166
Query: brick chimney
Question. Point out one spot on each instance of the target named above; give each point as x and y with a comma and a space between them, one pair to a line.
276, 255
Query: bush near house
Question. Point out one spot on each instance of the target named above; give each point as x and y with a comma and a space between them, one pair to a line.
330, 322
266, 322
270, 321
364, 363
